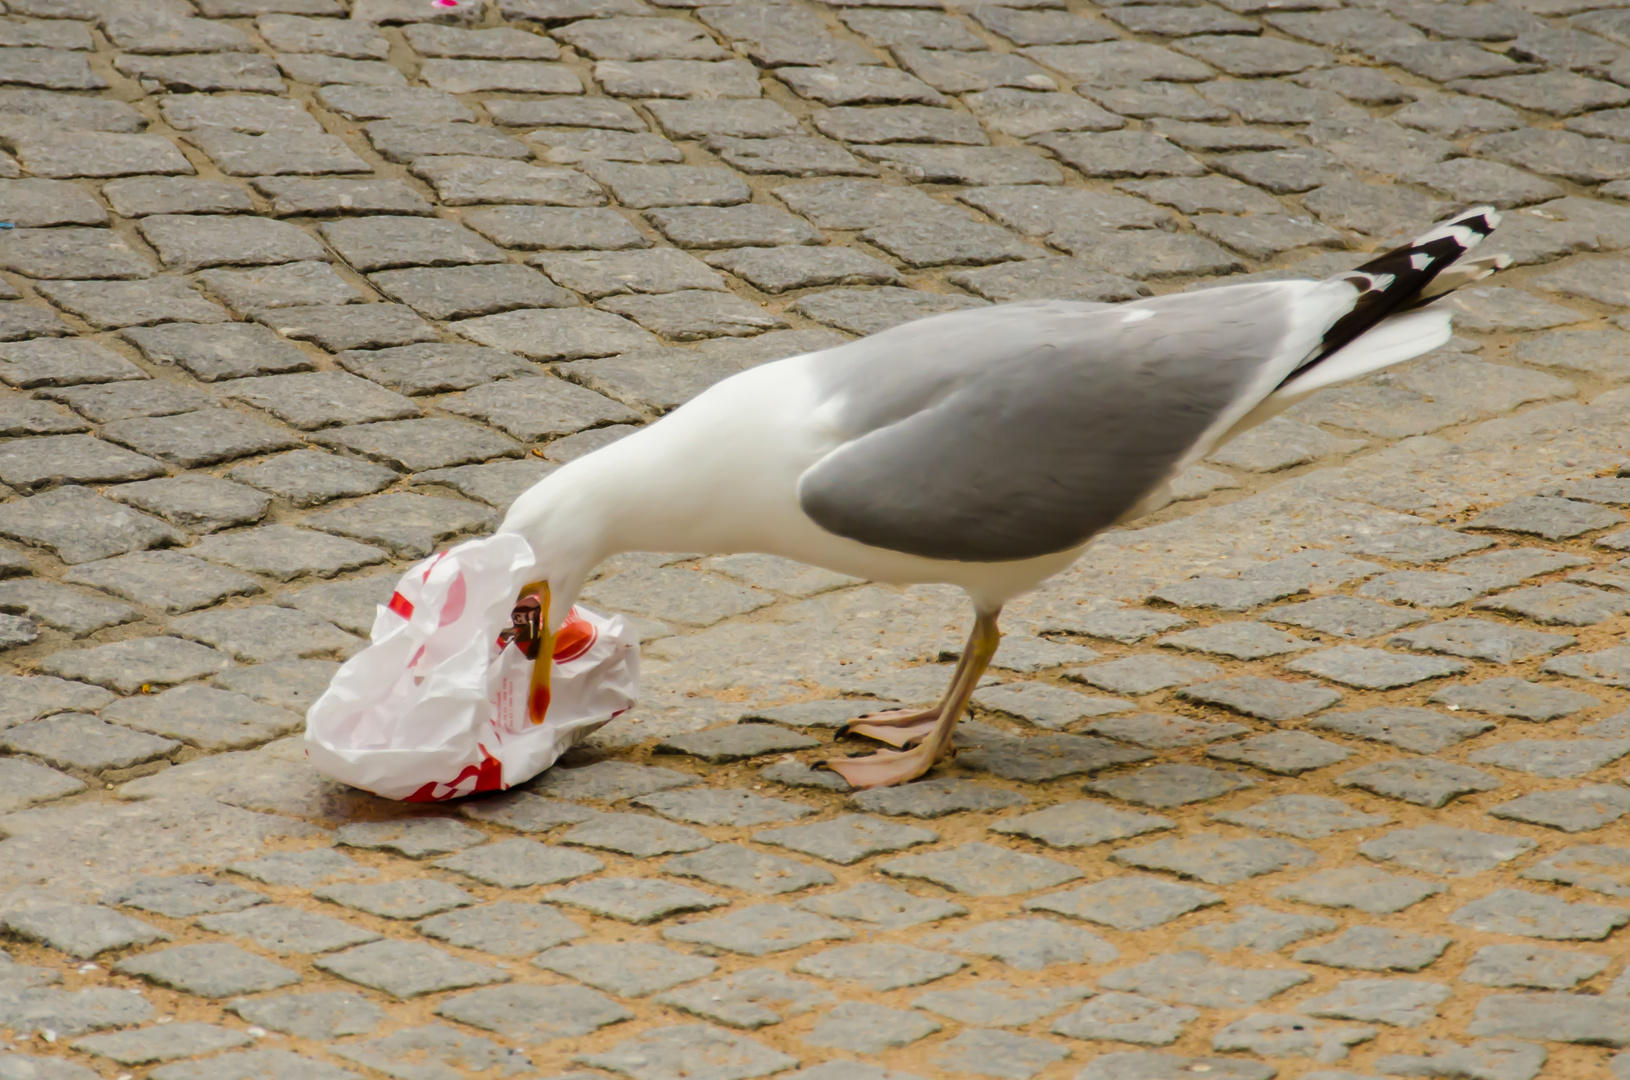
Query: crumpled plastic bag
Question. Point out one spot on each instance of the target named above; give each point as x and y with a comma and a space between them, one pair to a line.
445, 702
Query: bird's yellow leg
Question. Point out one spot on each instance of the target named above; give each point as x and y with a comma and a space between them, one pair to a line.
902, 727
888, 767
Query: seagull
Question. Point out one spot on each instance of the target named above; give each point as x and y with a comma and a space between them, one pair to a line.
982, 448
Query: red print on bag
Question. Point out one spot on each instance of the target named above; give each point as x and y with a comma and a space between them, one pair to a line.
487, 776
575, 637
457, 594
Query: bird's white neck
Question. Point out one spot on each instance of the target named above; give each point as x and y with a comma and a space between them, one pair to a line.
645, 492
574, 519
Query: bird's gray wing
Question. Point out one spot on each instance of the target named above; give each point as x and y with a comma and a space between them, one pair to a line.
1026, 432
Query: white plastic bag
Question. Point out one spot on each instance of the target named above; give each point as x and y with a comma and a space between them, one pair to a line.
437, 705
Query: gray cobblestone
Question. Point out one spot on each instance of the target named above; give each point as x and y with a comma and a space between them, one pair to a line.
437, 1047
1129, 1018
1532, 968
180, 897
109, 305
28, 784
288, 930
410, 899
722, 807
1047, 706
1516, 697
466, 177
748, 999
872, 310
843, 84
66, 609
19, 321
692, 315
709, 1052
748, 225
73, 1013
881, 905
1578, 810
83, 743
1143, 674
407, 524
1259, 929
305, 868
406, 969
636, 835
935, 798
1291, 1036
292, 195
80, 930
1400, 1002
1364, 888
1215, 860
1164, 786
350, 605
609, 781
1512, 911
759, 930
291, 285
736, 867
1308, 817
1555, 1017
1127, 902
1029, 944
880, 967
979, 869
1368, 948
98, 154
635, 900
1285, 752
211, 971
149, 1045
999, 1004
1443, 849
204, 717
1000, 1054
52, 460
324, 1015
1607, 667
626, 970
62, 363
1422, 781
1191, 979
535, 1014
421, 445
1563, 758
1047, 757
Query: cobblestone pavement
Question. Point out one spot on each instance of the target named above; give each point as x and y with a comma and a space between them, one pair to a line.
1319, 772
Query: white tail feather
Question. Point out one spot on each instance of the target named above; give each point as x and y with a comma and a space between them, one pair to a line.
1410, 331
1393, 341
1388, 331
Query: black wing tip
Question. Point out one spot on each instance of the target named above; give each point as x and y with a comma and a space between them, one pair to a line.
1416, 263
1479, 222
1392, 281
